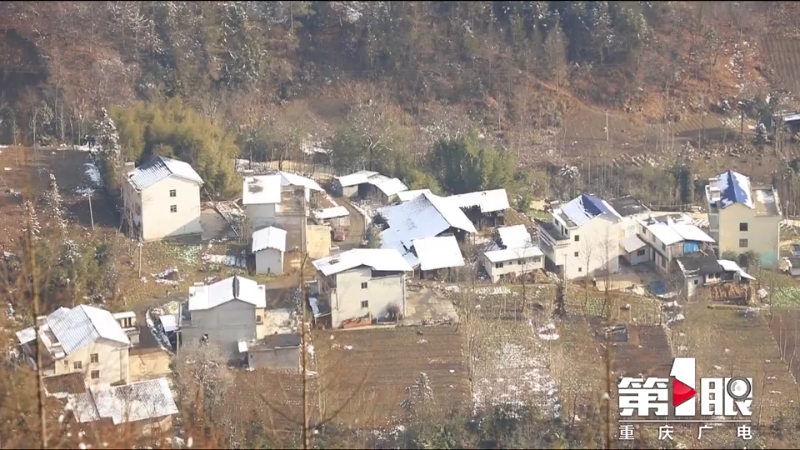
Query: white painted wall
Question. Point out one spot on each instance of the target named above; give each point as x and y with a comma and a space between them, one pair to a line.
596, 249
347, 298
269, 261
515, 266
262, 216
638, 256
157, 220
112, 362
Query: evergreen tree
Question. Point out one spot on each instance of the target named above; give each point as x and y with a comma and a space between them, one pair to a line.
110, 152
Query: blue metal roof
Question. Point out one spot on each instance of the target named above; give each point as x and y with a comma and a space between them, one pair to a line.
585, 207
160, 168
734, 188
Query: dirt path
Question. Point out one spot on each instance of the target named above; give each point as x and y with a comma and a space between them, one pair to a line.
356, 233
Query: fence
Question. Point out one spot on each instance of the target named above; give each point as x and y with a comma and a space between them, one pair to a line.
316, 171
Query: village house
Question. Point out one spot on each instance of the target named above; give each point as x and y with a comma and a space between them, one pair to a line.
743, 217
632, 249
582, 237
366, 184
431, 256
269, 246
406, 196
425, 216
669, 237
276, 352
362, 284
224, 313
513, 254
83, 339
161, 198
145, 408
483, 208
700, 270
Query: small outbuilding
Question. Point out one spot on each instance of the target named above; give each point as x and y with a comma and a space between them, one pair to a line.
269, 246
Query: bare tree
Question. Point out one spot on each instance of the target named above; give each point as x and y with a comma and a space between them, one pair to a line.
202, 378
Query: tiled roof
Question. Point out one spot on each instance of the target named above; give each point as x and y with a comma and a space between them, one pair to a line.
160, 168
133, 402
80, 326
376, 258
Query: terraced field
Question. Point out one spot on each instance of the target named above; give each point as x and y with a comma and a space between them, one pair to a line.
784, 58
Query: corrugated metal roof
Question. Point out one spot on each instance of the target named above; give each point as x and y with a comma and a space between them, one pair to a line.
80, 326
731, 266
438, 252
261, 190
734, 188
690, 232
355, 179
160, 168
584, 208
26, 335
376, 258
269, 237
411, 195
331, 213
510, 254
133, 402
168, 323
664, 233
488, 201
632, 243
233, 288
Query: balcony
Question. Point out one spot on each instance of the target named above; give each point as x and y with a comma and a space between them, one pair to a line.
550, 238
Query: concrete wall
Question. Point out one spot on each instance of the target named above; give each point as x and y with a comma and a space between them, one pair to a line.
269, 261
226, 325
513, 266
157, 220
261, 216
277, 358
763, 234
318, 241
347, 298
113, 362
635, 258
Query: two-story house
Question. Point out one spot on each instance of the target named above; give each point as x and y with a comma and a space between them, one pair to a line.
582, 237
83, 339
162, 198
224, 313
743, 217
361, 283
670, 237
513, 254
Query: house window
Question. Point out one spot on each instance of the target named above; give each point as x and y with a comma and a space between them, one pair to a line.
258, 319
498, 265
173, 208
364, 285
95, 374
521, 262
695, 282
640, 252
577, 238
576, 254
664, 247
77, 365
94, 358
580, 269
743, 226
172, 193
743, 243
365, 304
66, 362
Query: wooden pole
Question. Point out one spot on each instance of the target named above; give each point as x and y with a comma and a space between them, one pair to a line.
91, 212
140, 258
303, 337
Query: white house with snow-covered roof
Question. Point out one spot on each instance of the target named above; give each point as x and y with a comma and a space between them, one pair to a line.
744, 217
581, 237
484, 208
269, 247
671, 236
362, 283
161, 198
366, 183
514, 253
224, 313
263, 196
84, 339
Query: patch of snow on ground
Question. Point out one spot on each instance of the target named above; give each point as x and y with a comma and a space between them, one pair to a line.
765, 196
94, 179
547, 332
513, 377
366, 210
163, 340
226, 260
492, 290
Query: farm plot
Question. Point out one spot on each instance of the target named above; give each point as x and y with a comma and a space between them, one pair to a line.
366, 376
725, 342
784, 56
785, 325
274, 399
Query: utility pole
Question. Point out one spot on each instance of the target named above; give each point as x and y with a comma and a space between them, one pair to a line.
141, 244
91, 212
303, 337
606, 125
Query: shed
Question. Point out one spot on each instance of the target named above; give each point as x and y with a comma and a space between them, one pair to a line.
269, 245
277, 352
634, 250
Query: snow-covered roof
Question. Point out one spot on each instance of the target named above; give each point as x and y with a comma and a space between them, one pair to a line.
68, 330
168, 323
293, 179
160, 168
411, 195
234, 288
26, 335
734, 188
632, 243
331, 213
691, 232
261, 190
584, 208
673, 231
242, 345
354, 179
509, 254
731, 266
438, 252
133, 402
269, 237
488, 201
664, 233
376, 258
516, 236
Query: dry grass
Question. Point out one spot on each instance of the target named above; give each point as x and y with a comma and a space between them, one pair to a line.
363, 374
784, 57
